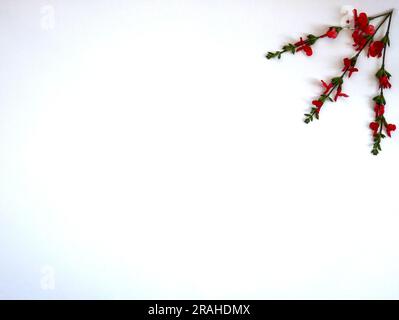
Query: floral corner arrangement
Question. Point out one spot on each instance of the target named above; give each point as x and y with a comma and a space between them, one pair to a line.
364, 29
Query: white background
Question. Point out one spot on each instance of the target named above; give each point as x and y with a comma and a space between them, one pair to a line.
149, 150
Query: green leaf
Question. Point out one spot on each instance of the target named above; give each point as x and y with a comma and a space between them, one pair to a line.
271, 55
290, 48
380, 73
385, 40
311, 39
379, 99
337, 81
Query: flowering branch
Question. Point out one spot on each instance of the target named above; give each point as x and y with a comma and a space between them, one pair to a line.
349, 66
363, 36
304, 45
383, 77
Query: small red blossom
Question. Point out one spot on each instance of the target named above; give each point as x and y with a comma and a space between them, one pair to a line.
359, 39
326, 86
379, 110
384, 82
332, 33
374, 126
390, 128
318, 104
300, 43
369, 30
375, 49
340, 94
348, 65
362, 21
303, 46
362, 30
352, 70
307, 49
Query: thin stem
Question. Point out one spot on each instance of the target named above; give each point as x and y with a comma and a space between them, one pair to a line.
380, 15
386, 35
381, 119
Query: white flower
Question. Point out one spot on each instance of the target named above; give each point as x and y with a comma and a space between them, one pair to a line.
347, 20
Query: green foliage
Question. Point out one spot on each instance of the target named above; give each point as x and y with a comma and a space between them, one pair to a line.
289, 48
382, 72
311, 39
337, 81
379, 99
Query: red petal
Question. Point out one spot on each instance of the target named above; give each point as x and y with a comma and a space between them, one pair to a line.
317, 103
308, 50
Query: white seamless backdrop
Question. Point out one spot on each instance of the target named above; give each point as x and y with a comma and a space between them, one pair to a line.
149, 150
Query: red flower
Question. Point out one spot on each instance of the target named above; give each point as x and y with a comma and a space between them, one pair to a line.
369, 30
307, 49
332, 33
352, 70
379, 110
390, 128
340, 94
302, 45
359, 39
326, 86
375, 49
374, 126
355, 16
318, 104
362, 21
384, 82
348, 65
362, 29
